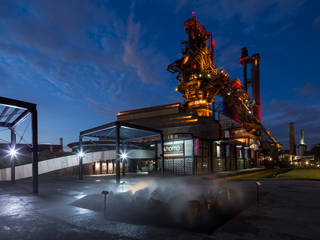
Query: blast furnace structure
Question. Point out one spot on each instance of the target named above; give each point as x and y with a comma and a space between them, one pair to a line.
201, 136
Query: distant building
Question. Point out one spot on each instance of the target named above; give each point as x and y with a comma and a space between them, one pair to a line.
302, 147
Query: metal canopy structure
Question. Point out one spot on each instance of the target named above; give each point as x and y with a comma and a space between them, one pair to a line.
12, 113
118, 131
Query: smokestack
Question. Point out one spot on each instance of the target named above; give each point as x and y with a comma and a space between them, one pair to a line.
292, 150
302, 137
255, 73
61, 144
302, 147
244, 61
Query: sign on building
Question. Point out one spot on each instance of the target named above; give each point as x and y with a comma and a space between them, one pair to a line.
172, 149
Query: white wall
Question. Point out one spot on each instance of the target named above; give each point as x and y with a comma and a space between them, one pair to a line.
25, 171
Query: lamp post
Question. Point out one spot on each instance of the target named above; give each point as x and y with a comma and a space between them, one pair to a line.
13, 154
123, 157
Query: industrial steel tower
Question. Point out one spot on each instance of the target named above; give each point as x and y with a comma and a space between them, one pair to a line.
196, 69
200, 82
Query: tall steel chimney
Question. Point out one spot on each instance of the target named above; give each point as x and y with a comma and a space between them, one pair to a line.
302, 137
255, 73
244, 60
292, 143
61, 143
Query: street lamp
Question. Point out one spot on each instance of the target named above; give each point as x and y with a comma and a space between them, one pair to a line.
13, 152
124, 156
81, 154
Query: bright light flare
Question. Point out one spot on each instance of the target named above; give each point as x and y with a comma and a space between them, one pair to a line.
124, 156
81, 154
13, 152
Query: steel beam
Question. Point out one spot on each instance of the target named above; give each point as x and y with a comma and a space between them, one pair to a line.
117, 153
20, 119
120, 123
14, 112
4, 112
35, 177
16, 103
162, 154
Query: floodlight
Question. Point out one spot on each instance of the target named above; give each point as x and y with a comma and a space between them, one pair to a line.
81, 154
124, 156
13, 152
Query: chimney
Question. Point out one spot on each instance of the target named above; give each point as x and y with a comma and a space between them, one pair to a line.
292, 143
302, 137
61, 144
244, 60
255, 75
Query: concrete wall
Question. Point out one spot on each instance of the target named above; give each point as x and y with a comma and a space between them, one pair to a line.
25, 171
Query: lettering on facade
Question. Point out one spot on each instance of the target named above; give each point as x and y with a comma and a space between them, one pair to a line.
173, 149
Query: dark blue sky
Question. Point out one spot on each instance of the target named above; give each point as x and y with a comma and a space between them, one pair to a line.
84, 61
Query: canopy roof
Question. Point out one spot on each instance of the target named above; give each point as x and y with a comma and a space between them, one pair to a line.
13, 112
128, 131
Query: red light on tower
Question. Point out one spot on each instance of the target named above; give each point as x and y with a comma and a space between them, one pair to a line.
194, 66
193, 13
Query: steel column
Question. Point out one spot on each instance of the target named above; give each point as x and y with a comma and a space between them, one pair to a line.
245, 80
156, 156
35, 177
117, 153
80, 158
13, 158
162, 154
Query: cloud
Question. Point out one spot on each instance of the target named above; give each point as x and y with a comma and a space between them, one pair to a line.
83, 50
305, 117
248, 10
180, 4
306, 89
228, 57
101, 109
316, 22
138, 55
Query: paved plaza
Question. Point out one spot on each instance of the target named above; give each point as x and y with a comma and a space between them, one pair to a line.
67, 208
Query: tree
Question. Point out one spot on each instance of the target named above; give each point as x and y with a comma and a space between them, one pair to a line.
316, 152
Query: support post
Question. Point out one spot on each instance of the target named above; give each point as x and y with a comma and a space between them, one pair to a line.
35, 177
245, 80
162, 154
117, 153
80, 159
13, 158
156, 156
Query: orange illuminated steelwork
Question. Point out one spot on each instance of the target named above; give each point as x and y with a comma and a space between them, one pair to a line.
200, 82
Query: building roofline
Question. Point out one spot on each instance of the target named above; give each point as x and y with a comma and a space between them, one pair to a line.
154, 108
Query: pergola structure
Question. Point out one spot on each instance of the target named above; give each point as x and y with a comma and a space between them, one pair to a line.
119, 131
12, 113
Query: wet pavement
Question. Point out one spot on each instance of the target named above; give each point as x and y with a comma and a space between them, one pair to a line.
289, 210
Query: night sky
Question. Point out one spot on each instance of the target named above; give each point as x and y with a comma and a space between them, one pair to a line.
84, 61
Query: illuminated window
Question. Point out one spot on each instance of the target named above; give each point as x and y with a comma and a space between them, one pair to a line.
218, 151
